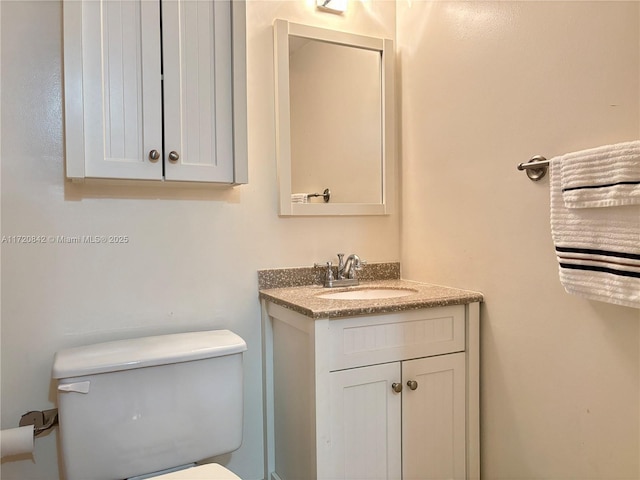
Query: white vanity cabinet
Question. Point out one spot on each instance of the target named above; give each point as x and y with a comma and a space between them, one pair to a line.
155, 90
387, 396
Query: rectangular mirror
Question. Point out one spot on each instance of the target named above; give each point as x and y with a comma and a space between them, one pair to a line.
334, 121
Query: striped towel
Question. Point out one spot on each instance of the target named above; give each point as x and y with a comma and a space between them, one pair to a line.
598, 249
602, 177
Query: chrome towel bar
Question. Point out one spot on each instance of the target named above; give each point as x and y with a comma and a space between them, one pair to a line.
536, 168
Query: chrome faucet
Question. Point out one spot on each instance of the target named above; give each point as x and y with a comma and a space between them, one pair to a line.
347, 268
346, 276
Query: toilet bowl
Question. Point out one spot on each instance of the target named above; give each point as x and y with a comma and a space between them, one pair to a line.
210, 471
143, 407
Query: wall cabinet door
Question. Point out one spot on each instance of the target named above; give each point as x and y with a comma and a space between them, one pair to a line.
113, 89
365, 424
434, 428
148, 99
196, 42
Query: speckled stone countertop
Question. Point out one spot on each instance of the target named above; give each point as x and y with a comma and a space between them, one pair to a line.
304, 299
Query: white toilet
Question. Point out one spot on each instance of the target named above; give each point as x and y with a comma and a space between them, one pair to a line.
146, 407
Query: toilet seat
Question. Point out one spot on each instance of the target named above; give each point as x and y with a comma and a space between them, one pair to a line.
209, 471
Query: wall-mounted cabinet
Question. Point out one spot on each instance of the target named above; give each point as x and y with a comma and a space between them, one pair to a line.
388, 396
155, 90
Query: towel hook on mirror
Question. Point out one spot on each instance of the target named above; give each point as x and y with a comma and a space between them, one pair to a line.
536, 168
326, 195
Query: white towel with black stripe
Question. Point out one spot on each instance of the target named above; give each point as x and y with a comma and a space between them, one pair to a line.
605, 176
598, 249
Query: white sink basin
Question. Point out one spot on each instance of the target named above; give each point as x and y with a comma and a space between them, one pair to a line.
367, 294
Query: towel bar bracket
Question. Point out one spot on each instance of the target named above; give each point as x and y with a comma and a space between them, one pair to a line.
536, 168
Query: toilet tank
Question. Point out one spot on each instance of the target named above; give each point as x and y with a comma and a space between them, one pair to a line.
138, 406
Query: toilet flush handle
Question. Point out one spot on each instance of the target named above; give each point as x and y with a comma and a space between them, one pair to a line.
77, 387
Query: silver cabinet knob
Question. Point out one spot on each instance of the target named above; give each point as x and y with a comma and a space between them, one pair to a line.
396, 387
412, 384
154, 155
173, 156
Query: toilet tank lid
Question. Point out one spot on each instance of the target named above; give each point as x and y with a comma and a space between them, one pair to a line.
145, 352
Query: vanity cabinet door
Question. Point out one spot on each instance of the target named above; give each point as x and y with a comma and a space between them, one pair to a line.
365, 424
434, 431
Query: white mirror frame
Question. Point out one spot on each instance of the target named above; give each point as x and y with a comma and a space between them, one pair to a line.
282, 30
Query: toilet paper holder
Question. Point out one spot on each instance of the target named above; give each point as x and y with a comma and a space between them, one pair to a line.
41, 420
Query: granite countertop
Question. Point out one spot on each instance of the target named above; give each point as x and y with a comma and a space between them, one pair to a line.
305, 300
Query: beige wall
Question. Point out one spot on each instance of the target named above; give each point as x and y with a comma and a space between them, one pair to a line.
193, 253
486, 86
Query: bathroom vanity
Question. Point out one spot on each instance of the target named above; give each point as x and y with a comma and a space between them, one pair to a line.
372, 388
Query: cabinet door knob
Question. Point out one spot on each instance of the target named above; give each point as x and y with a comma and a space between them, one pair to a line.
412, 384
396, 387
154, 155
173, 156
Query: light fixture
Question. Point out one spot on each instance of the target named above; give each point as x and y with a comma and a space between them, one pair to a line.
333, 6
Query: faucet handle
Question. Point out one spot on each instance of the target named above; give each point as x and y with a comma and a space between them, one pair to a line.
328, 281
328, 275
340, 266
